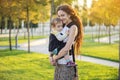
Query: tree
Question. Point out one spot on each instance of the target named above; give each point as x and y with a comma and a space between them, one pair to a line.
110, 15
2, 23
101, 13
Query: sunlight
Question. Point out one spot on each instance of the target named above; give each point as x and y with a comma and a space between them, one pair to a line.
89, 3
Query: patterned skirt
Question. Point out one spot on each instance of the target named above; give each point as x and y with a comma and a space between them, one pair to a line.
62, 72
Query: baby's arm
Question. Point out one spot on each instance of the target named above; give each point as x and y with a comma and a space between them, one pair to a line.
61, 36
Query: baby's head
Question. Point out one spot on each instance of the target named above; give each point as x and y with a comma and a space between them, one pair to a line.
56, 24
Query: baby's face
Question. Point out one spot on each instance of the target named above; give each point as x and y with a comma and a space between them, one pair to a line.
59, 26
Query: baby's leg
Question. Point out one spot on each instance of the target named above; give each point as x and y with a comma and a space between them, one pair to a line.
66, 57
55, 51
69, 62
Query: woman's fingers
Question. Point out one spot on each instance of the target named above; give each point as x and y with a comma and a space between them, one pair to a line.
51, 58
53, 63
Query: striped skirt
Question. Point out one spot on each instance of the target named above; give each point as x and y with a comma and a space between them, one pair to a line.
62, 72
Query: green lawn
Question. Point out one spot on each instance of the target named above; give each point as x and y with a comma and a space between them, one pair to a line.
5, 41
20, 65
99, 50
116, 41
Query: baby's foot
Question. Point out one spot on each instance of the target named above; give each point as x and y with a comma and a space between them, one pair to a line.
70, 64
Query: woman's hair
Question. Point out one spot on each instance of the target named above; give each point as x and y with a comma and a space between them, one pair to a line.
74, 17
54, 22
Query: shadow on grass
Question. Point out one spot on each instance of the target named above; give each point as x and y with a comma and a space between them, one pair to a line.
7, 52
21, 38
101, 58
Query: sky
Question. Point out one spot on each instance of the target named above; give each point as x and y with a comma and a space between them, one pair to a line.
89, 2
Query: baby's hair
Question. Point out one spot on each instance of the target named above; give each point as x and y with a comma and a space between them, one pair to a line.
54, 22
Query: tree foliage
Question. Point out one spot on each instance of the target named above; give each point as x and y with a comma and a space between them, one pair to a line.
105, 11
17, 9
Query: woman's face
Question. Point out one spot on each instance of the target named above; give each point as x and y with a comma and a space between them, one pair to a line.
63, 16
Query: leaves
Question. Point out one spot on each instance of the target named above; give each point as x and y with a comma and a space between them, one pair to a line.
17, 9
104, 11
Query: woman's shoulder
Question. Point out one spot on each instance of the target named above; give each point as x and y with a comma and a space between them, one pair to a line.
71, 24
73, 29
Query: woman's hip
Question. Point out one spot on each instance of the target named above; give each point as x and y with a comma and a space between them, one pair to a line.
62, 72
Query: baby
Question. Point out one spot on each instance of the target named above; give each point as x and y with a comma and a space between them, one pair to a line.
58, 38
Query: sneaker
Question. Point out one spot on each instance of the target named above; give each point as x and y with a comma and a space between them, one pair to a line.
71, 64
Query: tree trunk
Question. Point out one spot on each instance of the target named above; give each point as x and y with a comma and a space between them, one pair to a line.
24, 28
6, 25
92, 33
119, 52
99, 35
52, 8
84, 29
106, 31
43, 28
40, 28
109, 34
16, 37
10, 25
31, 27
27, 11
2, 24
96, 33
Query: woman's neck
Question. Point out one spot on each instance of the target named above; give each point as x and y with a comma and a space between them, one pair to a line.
68, 22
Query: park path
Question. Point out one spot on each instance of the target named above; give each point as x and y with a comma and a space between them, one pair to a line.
106, 39
41, 46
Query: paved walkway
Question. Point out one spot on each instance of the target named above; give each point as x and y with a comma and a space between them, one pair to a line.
106, 39
41, 46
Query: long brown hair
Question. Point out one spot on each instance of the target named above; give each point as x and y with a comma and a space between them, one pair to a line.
75, 18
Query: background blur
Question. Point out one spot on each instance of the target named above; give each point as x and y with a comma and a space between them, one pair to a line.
24, 33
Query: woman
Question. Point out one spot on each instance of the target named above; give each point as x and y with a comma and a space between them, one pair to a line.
73, 44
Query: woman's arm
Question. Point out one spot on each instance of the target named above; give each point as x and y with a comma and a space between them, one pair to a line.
72, 34
52, 62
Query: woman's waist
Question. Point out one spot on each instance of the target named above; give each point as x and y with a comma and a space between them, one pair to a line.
63, 60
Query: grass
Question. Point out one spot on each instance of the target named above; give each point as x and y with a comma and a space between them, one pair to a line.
5, 41
20, 65
116, 41
100, 50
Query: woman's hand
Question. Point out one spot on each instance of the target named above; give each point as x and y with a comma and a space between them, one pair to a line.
52, 62
56, 57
